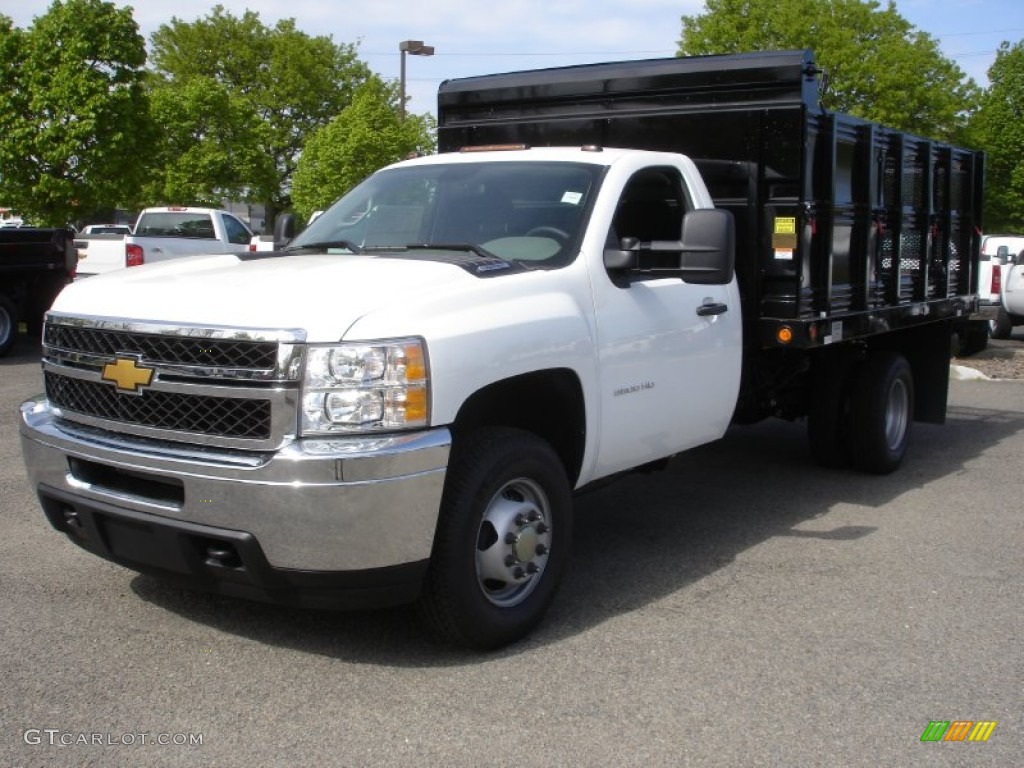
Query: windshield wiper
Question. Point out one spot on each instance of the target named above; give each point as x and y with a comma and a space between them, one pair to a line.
346, 244
467, 247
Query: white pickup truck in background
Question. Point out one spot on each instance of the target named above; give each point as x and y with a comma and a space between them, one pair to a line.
998, 255
164, 233
1013, 288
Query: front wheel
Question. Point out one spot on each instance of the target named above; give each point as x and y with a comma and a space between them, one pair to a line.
881, 413
502, 541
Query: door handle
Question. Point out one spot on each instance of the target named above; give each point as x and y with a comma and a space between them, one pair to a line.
711, 308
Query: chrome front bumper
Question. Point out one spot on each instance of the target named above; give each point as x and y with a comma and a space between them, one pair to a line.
347, 504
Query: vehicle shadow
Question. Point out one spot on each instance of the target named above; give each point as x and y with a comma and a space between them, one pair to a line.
636, 541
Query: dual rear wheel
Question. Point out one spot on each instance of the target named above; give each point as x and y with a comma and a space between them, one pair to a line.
862, 412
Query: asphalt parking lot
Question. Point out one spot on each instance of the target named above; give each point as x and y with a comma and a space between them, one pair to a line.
743, 608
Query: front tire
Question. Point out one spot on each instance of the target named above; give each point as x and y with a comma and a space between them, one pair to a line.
881, 413
502, 541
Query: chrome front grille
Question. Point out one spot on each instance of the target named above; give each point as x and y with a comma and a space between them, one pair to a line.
218, 416
183, 350
212, 386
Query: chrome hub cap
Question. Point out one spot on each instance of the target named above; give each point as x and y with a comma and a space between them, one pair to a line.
513, 542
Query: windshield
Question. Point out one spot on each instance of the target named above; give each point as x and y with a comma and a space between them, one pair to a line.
517, 211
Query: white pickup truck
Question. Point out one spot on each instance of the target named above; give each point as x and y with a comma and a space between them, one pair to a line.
160, 234
1013, 288
998, 253
399, 405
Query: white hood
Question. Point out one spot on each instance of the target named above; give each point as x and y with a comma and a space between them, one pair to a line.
322, 294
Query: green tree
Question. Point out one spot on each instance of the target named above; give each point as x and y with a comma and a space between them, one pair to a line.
288, 83
880, 66
367, 135
209, 147
74, 118
998, 128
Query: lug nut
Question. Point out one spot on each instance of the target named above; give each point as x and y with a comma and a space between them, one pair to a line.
534, 516
510, 538
520, 520
531, 568
509, 561
542, 528
518, 572
541, 549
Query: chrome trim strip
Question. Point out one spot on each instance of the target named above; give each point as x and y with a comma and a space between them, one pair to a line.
159, 384
95, 490
152, 448
188, 330
287, 369
290, 346
277, 439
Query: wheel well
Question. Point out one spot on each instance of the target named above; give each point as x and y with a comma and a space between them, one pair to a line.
547, 403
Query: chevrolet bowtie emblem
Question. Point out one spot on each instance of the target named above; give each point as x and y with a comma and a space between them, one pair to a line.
127, 374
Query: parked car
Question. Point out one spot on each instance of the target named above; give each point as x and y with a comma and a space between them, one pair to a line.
163, 233
167, 233
995, 252
9, 218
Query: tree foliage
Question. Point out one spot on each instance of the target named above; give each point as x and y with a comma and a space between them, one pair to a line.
209, 147
366, 136
880, 67
998, 128
277, 85
74, 117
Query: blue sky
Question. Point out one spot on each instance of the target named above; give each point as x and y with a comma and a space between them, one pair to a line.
473, 37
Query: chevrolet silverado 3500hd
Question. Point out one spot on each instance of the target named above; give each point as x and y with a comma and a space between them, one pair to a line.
398, 405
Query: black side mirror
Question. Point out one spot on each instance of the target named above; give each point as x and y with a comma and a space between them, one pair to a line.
284, 230
709, 247
705, 255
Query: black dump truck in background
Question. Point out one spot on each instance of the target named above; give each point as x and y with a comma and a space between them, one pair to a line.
856, 244
35, 264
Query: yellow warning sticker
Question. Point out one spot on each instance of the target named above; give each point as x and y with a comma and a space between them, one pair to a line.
785, 225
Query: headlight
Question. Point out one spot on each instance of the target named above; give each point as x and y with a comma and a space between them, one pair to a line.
366, 387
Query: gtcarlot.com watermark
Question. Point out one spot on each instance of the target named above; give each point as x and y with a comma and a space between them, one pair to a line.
56, 737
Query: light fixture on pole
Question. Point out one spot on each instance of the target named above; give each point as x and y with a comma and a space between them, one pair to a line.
414, 48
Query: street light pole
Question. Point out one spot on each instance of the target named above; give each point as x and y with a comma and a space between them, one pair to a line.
414, 48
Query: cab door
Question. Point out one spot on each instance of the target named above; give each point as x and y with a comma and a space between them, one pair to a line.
669, 351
